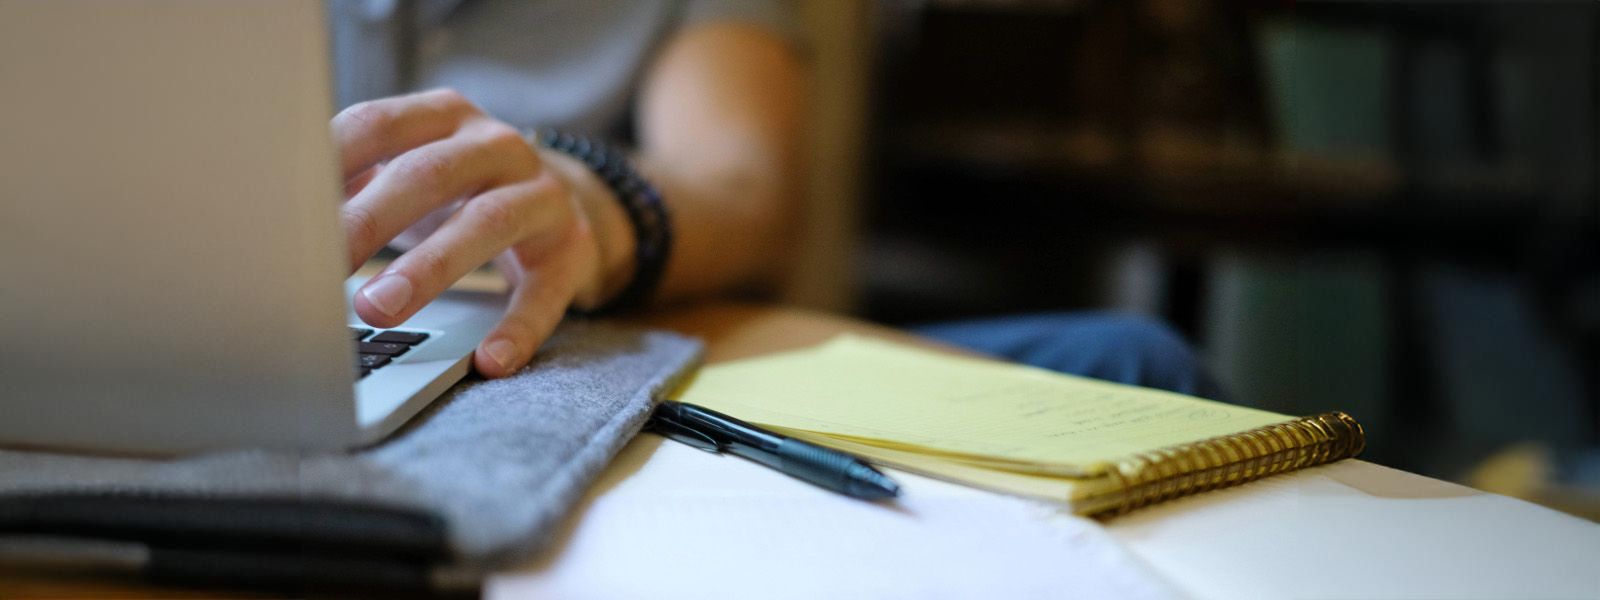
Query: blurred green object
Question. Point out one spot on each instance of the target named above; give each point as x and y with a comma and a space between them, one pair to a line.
1303, 335
1328, 89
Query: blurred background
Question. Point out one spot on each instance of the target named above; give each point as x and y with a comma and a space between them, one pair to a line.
1386, 208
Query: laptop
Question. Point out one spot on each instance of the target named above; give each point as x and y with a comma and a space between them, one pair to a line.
172, 277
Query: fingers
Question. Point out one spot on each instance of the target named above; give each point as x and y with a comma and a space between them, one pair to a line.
355, 184
371, 132
424, 227
422, 180
412, 159
536, 307
532, 214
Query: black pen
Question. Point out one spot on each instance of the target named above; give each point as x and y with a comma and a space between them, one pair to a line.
712, 431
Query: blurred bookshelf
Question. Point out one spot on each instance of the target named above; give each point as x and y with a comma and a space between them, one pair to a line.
1322, 196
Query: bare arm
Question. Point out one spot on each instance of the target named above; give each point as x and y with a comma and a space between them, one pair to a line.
721, 126
721, 122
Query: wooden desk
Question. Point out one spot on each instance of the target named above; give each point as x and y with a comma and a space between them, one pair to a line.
1352, 529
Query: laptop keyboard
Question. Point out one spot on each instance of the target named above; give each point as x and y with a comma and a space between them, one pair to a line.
376, 351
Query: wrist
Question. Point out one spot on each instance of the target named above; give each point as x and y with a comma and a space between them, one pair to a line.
647, 213
608, 222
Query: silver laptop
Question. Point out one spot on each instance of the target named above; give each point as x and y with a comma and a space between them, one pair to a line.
171, 271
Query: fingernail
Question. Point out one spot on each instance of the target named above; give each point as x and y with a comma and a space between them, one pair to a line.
503, 352
389, 294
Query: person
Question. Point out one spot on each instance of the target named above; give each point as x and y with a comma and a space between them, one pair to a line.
711, 96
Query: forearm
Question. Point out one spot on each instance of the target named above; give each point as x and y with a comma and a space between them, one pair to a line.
721, 129
720, 123
733, 228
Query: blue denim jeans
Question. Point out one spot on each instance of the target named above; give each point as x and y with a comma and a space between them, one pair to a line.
1110, 346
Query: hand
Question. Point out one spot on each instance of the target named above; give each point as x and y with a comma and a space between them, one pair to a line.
471, 191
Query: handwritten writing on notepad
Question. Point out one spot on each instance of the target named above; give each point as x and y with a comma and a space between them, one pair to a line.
921, 400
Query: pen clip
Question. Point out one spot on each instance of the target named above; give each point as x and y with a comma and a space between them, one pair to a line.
675, 430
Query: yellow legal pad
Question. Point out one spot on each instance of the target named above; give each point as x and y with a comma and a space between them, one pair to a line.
1099, 447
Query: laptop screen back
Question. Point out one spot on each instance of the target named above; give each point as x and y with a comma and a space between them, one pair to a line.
170, 264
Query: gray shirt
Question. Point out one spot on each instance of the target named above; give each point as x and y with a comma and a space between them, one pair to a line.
572, 64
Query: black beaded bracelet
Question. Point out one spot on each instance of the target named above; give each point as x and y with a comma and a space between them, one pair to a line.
652, 227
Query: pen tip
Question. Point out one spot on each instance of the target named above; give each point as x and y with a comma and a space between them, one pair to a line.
869, 484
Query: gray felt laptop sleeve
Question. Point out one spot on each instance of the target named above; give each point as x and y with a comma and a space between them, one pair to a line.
477, 481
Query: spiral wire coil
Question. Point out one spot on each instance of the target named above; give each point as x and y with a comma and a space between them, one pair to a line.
1160, 475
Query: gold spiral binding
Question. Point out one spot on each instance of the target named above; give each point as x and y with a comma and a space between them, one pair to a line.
1160, 475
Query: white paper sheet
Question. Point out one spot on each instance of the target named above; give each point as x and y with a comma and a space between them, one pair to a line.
1358, 530
668, 521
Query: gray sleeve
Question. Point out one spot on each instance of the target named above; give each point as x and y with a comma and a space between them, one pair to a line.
781, 16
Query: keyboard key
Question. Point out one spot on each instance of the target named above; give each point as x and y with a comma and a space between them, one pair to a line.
383, 348
357, 333
400, 337
373, 361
